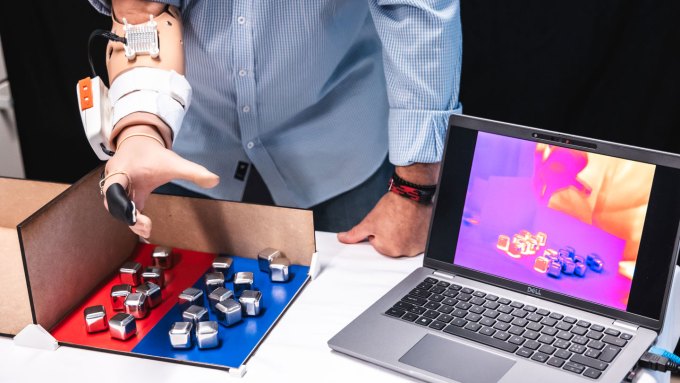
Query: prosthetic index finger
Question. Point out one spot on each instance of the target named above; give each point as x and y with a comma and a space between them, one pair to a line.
120, 206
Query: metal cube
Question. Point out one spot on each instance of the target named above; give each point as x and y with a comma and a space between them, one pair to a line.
555, 269
163, 257
595, 262
265, 256
154, 297
222, 265
250, 302
503, 242
228, 312
218, 295
118, 295
243, 281
154, 275
195, 314
130, 273
568, 267
180, 335
541, 264
278, 269
564, 253
189, 297
580, 269
136, 305
213, 281
122, 326
95, 319
207, 335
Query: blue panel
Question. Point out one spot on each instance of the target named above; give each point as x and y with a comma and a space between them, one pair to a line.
236, 342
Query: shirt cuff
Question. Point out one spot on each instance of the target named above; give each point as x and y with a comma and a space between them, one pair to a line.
418, 135
104, 6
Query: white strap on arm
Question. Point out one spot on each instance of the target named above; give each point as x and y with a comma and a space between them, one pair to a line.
164, 93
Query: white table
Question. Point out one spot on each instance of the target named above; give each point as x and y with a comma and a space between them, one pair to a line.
351, 279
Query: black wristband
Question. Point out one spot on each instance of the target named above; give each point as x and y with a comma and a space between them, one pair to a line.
423, 194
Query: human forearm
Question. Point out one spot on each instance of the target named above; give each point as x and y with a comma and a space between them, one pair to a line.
419, 173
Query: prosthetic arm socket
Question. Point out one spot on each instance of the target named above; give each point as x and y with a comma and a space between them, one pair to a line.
148, 86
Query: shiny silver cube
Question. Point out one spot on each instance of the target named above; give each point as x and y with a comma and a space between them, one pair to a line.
250, 302
95, 319
195, 314
207, 335
228, 312
154, 297
243, 281
163, 257
278, 269
136, 305
213, 281
130, 273
180, 335
190, 296
223, 265
154, 275
118, 295
265, 257
122, 326
218, 295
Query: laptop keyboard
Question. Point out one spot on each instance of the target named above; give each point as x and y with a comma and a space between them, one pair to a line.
530, 332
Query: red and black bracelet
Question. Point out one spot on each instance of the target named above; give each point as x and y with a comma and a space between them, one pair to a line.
423, 194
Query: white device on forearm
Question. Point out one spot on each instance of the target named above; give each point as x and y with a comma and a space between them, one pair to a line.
142, 85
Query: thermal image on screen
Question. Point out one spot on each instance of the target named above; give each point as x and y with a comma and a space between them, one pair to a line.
556, 218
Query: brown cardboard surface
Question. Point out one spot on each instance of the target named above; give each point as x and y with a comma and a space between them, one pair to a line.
231, 227
21, 198
70, 246
18, 200
15, 311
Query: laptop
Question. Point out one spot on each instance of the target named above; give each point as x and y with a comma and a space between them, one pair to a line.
549, 259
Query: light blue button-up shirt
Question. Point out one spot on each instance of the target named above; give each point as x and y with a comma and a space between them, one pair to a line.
314, 92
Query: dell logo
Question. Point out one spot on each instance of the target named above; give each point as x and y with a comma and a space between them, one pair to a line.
533, 290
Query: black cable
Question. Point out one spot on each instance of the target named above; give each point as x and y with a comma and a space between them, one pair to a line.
658, 363
105, 34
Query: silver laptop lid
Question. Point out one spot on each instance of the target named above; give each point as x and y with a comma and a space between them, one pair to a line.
582, 222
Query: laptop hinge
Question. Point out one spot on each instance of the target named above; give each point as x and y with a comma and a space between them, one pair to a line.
628, 326
442, 274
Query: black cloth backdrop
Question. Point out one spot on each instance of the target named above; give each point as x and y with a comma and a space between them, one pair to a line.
606, 69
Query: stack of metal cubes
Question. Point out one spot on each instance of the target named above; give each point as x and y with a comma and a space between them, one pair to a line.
133, 305
228, 307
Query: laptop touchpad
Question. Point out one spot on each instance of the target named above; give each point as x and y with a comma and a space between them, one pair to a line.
456, 361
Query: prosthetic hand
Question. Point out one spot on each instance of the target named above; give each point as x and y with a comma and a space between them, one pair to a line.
135, 121
147, 165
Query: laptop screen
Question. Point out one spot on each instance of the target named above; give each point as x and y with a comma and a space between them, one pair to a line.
593, 226
553, 217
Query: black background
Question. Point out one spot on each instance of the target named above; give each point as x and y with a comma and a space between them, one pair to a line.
604, 69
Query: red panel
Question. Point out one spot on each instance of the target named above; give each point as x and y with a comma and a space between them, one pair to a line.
192, 265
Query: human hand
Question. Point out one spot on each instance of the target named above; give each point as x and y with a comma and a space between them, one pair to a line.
149, 165
397, 226
557, 168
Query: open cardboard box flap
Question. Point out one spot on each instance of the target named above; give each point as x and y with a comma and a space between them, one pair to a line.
18, 200
72, 244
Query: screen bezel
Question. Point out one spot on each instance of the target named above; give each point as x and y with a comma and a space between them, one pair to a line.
434, 253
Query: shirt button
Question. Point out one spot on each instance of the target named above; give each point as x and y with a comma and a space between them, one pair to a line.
242, 72
246, 109
250, 145
241, 20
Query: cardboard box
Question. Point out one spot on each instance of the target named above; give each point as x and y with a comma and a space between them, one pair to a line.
19, 200
71, 246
